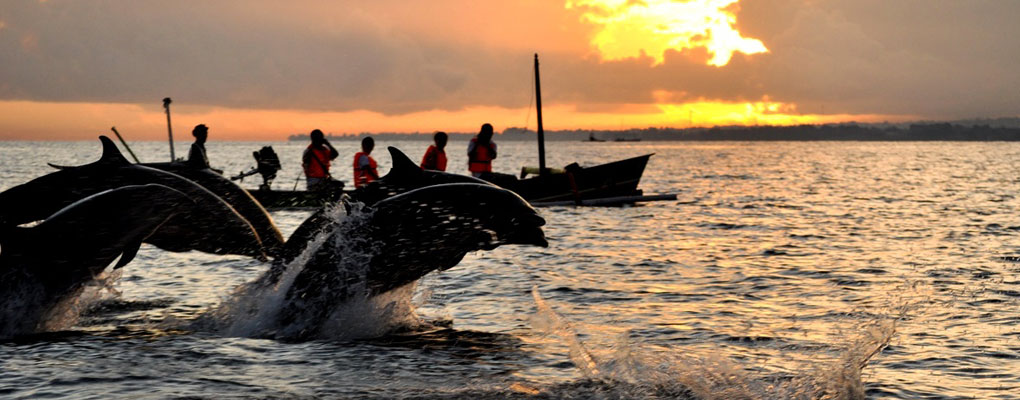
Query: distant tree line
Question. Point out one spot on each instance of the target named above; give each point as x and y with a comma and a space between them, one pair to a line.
942, 131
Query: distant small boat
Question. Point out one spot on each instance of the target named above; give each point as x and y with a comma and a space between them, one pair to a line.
591, 138
627, 139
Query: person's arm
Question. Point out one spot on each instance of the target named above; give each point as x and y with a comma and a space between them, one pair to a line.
471, 150
195, 157
306, 159
429, 159
333, 154
492, 149
366, 166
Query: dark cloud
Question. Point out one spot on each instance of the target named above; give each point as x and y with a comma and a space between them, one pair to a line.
948, 58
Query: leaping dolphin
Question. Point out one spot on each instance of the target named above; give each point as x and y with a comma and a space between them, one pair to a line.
212, 225
44, 267
240, 199
394, 243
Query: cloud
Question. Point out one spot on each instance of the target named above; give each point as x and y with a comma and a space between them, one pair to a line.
937, 59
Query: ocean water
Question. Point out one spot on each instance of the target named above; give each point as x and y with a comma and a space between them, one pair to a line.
807, 270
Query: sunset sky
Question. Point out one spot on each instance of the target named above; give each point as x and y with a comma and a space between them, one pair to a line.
261, 70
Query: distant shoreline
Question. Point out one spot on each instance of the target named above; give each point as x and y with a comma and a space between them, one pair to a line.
975, 131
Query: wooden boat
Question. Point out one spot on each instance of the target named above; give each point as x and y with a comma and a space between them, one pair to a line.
294, 199
618, 179
575, 183
612, 183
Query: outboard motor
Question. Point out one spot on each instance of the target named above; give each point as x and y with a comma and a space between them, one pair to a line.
267, 164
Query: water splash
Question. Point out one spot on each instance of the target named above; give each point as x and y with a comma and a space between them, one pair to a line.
27, 304
650, 371
255, 309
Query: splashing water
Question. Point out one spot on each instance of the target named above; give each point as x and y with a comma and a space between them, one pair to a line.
27, 304
647, 371
254, 309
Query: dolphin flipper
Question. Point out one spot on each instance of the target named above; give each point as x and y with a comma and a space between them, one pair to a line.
60, 167
130, 251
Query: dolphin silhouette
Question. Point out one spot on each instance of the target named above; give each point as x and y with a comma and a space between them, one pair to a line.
238, 198
211, 226
44, 267
394, 243
404, 176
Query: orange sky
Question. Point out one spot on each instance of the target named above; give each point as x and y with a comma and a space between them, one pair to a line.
261, 70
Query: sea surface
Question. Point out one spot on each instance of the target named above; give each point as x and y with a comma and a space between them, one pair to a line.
785, 270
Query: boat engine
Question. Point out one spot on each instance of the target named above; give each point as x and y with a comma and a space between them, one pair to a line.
267, 164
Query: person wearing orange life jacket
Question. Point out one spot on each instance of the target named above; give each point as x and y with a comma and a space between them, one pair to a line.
435, 156
315, 161
364, 165
481, 151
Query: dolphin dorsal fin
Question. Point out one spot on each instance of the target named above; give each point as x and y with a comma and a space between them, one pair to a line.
111, 154
402, 165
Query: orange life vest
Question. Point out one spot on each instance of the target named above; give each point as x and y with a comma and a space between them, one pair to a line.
434, 159
361, 176
318, 165
480, 158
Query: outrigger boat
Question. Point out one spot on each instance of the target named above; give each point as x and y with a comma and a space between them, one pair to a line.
605, 184
613, 183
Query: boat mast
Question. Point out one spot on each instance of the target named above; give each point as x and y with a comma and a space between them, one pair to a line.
541, 134
169, 130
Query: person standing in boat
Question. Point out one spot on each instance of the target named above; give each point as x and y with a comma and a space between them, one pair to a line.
196, 156
315, 161
365, 168
435, 156
481, 151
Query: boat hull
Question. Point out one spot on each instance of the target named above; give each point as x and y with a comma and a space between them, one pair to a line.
294, 199
612, 180
615, 179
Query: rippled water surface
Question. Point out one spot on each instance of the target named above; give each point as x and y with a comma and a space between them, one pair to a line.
784, 270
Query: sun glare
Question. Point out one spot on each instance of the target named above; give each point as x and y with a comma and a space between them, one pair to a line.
630, 28
717, 113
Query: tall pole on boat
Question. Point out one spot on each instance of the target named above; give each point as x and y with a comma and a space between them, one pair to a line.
169, 130
541, 134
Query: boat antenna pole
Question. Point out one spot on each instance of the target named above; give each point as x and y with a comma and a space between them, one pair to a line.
114, 129
541, 134
169, 130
